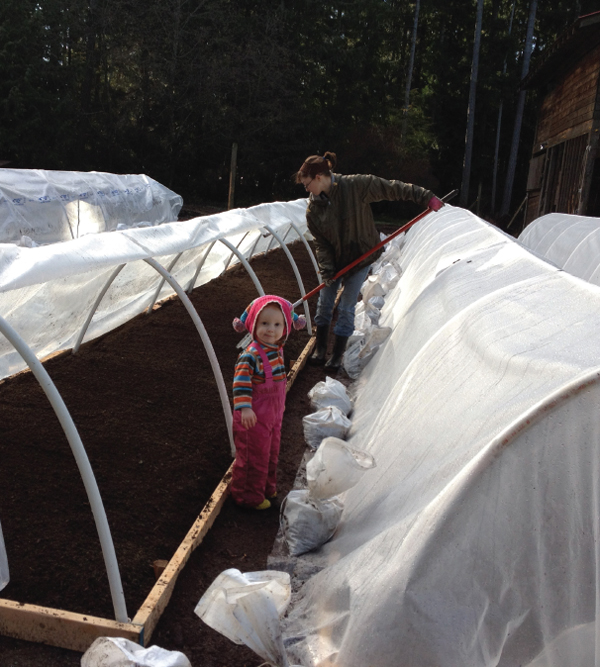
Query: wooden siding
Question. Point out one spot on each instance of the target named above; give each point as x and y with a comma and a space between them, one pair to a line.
567, 111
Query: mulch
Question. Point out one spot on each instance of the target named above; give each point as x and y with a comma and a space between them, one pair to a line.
148, 411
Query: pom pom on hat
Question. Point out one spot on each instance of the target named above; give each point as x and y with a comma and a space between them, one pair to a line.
238, 325
299, 321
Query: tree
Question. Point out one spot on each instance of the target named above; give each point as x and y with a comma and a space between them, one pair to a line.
508, 186
464, 190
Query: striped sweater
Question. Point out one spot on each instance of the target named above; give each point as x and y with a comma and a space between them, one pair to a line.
249, 371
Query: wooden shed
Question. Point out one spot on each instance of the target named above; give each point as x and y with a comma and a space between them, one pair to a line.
564, 173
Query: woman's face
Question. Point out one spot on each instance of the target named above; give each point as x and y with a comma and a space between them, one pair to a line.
314, 186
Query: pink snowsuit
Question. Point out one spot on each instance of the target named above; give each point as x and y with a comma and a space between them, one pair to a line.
254, 475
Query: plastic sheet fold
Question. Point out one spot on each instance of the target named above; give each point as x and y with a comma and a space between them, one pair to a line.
59, 283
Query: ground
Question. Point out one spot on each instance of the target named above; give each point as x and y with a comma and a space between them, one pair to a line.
150, 417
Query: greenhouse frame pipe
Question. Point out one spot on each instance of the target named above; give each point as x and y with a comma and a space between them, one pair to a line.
190, 287
84, 328
212, 357
247, 266
238, 247
270, 243
260, 235
83, 464
288, 254
162, 282
289, 229
307, 246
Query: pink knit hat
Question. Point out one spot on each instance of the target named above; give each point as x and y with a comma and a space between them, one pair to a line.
247, 321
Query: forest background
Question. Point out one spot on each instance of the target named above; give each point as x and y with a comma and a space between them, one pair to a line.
166, 87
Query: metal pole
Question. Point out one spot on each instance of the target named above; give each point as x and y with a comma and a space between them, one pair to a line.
214, 362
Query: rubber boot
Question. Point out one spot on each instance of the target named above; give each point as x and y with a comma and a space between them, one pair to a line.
318, 356
339, 348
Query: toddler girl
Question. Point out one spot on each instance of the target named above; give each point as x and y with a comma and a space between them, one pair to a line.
259, 399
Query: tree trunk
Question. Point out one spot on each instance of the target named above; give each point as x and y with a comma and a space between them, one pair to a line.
411, 63
514, 149
499, 123
466, 175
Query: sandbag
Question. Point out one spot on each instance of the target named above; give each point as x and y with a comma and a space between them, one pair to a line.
361, 348
335, 468
330, 393
120, 652
307, 523
330, 421
247, 608
372, 287
389, 277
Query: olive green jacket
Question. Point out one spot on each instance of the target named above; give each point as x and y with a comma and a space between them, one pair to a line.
342, 223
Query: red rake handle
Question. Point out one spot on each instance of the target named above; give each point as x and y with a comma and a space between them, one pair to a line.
341, 272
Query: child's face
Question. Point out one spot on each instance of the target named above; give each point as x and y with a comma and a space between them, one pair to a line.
270, 325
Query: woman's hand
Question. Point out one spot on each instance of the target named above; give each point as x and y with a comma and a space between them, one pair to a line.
248, 417
435, 204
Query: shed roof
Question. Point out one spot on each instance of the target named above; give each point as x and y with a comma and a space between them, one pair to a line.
577, 40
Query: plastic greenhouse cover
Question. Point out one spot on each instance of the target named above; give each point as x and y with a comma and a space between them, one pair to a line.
572, 242
50, 206
475, 539
57, 284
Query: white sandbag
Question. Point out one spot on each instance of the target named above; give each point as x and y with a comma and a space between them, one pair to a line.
247, 608
4, 574
389, 277
392, 253
377, 302
372, 287
335, 468
330, 392
362, 321
361, 349
352, 361
120, 652
328, 422
307, 523
367, 314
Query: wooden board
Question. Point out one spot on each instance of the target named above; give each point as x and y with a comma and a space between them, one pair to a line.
60, 628
154, 605
300, 363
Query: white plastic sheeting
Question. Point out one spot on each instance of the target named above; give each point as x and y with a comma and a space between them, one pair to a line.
121, 652
246, 608
47, 292
50, 206
475, 540
571, 242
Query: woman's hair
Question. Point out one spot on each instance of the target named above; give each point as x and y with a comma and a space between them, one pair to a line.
316, 164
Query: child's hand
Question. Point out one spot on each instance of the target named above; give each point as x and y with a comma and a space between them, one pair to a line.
248, 417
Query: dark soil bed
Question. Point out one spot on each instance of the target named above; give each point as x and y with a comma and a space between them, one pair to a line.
148, 411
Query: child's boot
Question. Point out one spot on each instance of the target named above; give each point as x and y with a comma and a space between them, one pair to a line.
263, 506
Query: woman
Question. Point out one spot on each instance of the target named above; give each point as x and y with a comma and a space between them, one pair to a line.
339, 217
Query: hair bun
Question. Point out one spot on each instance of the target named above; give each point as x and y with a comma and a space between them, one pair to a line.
331, 157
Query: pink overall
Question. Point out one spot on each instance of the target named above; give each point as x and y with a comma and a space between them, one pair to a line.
254, 475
